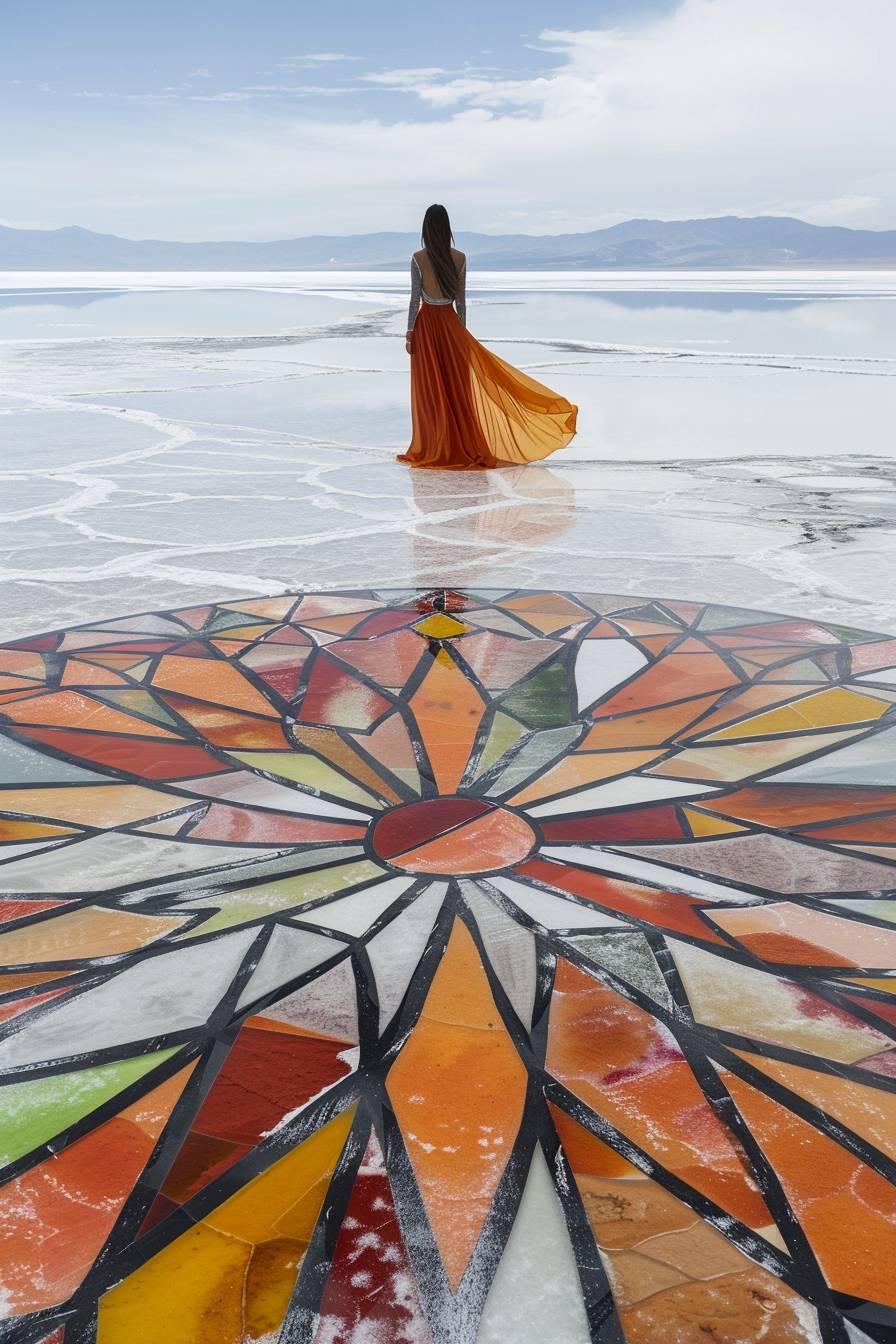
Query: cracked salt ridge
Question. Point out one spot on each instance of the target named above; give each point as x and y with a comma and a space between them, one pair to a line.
800, 363
377, 325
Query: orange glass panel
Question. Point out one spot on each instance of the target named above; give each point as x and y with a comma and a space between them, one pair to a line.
457, 1090
672, 677
78, 673
92, 804
847, 1211
582, 768
793, 805
220, 683
56, 1217
87, 932
869, 1112
448, 710
650, 727
69, 709
667, 909
624, 1064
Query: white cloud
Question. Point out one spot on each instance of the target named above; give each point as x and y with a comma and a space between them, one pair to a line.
201, 73
330, 56
724, 106
317, 58
848, 210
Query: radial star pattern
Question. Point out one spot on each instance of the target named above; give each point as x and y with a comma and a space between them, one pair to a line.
423, 968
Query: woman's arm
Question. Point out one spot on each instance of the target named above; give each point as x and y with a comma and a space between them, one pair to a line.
414, 305
460, 301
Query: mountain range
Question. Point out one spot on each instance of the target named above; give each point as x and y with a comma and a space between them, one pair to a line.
727, 242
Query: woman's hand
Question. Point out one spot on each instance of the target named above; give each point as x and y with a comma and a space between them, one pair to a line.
409, 342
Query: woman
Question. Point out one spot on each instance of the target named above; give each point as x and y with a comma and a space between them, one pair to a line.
469, 409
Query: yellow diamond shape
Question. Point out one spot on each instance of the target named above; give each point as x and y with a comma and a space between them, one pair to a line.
440, 626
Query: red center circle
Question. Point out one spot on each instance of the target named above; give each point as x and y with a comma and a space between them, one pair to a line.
452, 836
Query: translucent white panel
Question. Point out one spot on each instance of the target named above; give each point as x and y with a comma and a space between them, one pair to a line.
762, 1006
854, 1334
870, 760
627, 865
773, 862
289, 953
602, 664
173, 991
276, 863
321, 636
22, 764
32, 847
629, 956
534, 756
885, 676
510, 949
355, 914
554, 912
171, 825
117, 859
395, 952
728, 618
536, 1294
143, 625
328, 1005
495, 620
620, 793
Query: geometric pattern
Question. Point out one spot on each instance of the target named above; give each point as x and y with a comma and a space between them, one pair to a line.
433, 967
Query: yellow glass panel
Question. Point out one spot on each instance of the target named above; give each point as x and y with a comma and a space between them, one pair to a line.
229, 1279
308, 770
440, 626
190, 1293
887, 984
254, 1213
828, 709
746, 758
701, 824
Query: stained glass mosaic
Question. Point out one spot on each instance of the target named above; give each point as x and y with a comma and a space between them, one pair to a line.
423, 968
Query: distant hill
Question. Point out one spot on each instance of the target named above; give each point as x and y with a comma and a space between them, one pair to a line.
639, 244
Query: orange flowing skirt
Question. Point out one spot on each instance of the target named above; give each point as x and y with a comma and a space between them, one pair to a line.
471, 410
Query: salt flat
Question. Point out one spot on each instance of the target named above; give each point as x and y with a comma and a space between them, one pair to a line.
172, 437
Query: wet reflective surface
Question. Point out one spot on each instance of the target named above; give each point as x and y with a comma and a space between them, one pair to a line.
172, 442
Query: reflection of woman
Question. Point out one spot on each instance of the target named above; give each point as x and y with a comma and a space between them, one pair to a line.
469, 409
477, 525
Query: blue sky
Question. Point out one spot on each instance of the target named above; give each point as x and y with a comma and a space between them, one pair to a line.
226, 119
107, 46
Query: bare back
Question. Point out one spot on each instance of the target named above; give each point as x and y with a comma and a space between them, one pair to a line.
430, 283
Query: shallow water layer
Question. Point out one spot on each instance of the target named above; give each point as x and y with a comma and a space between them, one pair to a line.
171, 438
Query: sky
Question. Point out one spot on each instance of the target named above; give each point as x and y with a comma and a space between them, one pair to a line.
217, 119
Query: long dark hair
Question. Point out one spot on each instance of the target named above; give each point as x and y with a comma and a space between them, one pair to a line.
437, 239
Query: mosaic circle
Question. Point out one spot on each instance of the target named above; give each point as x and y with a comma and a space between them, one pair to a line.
452, 836
432, 967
